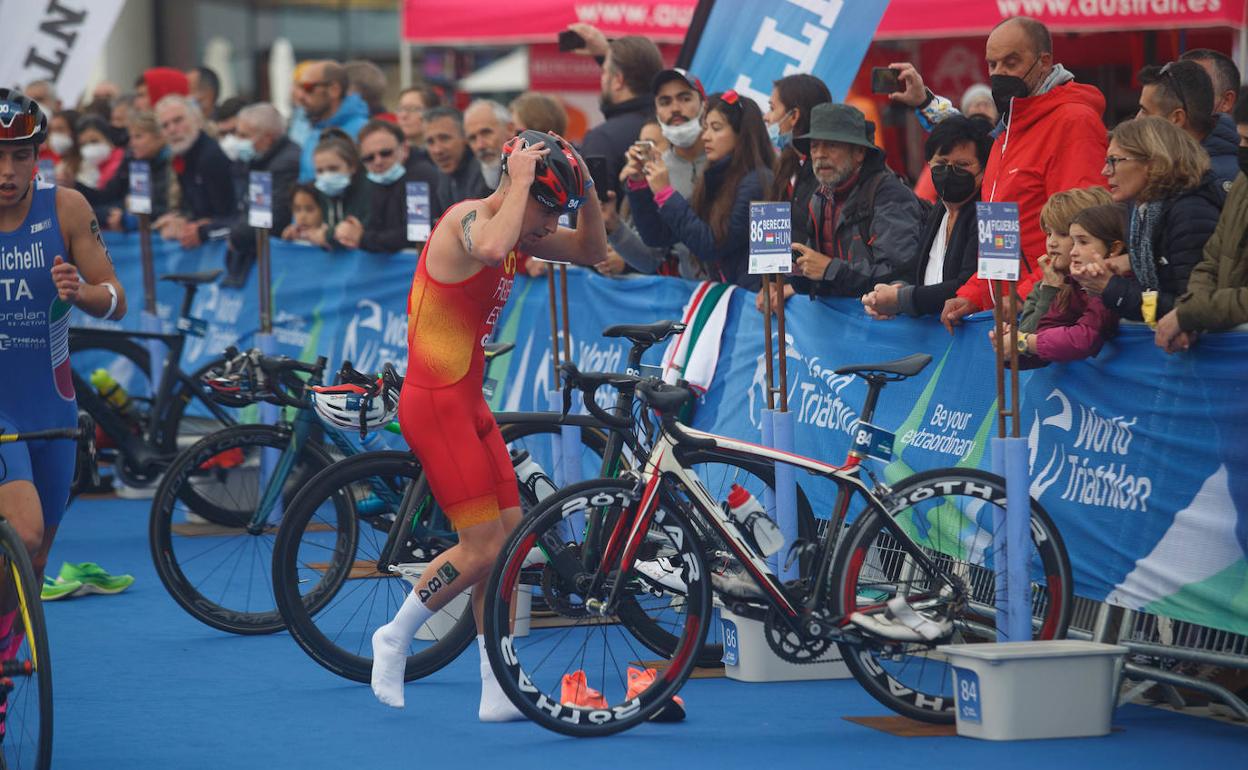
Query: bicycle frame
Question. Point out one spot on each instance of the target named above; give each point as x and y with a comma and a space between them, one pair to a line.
664, 462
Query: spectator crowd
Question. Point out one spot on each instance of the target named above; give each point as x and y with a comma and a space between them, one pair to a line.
1146, 222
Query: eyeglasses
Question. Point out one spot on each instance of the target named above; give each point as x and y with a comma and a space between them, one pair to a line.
409, 110
1166, 72
1111, 162
308, 88
383, 154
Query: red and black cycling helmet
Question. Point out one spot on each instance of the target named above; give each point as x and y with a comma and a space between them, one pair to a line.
21, 120
560, 181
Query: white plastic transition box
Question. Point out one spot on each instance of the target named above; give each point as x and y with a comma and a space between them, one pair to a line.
1014, 691
748, 657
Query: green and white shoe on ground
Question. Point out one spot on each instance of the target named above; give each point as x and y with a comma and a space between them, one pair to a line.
92, 579
54, 589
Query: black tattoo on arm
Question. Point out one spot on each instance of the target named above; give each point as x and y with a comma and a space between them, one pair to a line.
99, 238
466, 224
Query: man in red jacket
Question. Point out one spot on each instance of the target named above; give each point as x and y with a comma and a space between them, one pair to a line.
1051, 138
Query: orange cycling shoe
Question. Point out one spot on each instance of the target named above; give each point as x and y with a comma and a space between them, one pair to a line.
576, 692
639, 681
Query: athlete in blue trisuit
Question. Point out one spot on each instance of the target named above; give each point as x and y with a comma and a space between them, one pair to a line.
52, 258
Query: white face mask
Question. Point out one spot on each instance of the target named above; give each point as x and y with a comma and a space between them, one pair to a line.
231, 145
492, 173
684, 135
94, 153
60, 142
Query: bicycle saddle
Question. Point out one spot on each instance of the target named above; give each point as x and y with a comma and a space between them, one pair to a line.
899, 369
647, 334
493, 349
193, 279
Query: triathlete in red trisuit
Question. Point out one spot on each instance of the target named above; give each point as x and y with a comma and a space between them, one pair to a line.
463, 280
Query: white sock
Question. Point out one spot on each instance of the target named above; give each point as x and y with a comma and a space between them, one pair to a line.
495, 705
390, 645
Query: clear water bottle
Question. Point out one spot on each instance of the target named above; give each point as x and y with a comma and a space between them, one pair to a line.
530, 475
753, 522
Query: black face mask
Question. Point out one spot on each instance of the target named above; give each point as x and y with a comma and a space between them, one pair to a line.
953, 184
121, 136
1243, 159
1007, 87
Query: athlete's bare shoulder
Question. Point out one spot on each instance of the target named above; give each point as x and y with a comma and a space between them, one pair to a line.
450, 247
73, 211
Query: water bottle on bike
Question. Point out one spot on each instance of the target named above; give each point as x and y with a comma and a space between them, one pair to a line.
752, 521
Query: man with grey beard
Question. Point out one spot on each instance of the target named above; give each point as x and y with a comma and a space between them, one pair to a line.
863, 221
487, 127
209, 202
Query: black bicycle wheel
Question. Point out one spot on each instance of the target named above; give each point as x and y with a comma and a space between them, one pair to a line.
949, 512
325, 568
206, 557
26, 684
572, 675
326, 580
657, 622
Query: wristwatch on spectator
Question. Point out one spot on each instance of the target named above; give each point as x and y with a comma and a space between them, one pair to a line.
1022, 343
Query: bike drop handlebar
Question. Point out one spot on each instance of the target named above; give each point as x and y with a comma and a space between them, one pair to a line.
589, 383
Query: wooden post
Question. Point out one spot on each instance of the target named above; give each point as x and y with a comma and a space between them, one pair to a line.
567, 327
771, 379
782, 345
554, 328
264, 269
149, 268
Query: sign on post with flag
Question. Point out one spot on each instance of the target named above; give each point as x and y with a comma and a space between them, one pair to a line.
999, 248
771, 238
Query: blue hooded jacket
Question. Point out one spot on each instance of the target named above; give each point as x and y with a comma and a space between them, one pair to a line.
351, 116
1222, 144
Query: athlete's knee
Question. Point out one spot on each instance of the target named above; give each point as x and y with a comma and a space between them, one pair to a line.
30, 532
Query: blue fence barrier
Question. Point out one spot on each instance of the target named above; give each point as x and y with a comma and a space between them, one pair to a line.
1136, 454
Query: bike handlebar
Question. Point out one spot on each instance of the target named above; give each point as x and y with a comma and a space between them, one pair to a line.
588, 384
50, 434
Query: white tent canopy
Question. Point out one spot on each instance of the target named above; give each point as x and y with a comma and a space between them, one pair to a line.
510, 73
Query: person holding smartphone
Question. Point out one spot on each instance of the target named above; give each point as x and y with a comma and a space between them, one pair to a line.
679, 103
714, 223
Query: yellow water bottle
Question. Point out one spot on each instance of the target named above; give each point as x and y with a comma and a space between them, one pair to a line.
110, 390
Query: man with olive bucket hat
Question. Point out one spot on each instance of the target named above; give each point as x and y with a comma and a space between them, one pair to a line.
863, 221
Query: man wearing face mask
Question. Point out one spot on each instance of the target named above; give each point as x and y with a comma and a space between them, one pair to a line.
384, 155
209, 200
487, 127
260, 144
957, 151
679, 100
1050, 139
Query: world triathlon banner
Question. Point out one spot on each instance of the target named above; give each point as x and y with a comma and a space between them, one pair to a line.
1136, 455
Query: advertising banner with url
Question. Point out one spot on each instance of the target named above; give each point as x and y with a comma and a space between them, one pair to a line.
58, 41
1135, 454
748, 45
495, 22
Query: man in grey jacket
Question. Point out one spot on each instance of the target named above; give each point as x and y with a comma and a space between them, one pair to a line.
864, 222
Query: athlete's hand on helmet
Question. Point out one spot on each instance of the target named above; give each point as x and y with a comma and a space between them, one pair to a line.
68, 282
522, 163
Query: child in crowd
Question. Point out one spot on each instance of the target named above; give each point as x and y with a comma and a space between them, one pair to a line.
1055, 218
1076, 323
305, 214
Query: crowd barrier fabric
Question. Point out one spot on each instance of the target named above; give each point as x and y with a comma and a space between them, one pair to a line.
1137, 455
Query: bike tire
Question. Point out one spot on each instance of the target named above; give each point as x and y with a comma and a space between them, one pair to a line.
869, 565
218, 571
344, 650
528, 667
26, 745
655, 633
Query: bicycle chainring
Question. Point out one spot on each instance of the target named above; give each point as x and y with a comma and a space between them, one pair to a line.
794, 648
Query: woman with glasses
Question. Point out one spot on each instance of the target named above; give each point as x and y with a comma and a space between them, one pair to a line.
1163, 176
